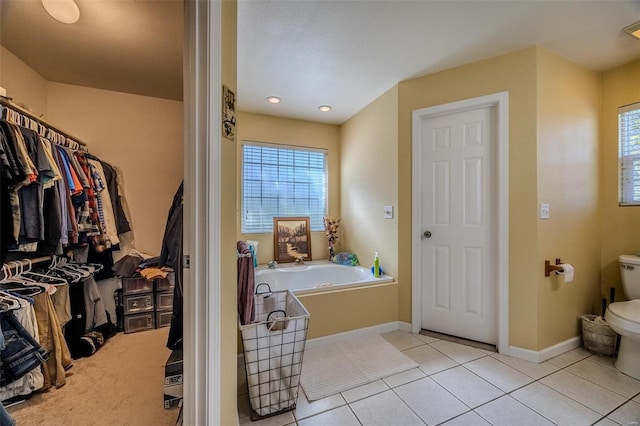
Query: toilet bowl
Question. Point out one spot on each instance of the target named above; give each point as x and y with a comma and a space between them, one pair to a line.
624, 317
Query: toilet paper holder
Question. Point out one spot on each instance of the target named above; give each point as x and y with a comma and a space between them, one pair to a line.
548, 267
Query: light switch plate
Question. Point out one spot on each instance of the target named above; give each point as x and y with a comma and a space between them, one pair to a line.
388, 212
544, 211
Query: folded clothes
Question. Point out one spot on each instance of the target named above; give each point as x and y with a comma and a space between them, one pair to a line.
153, 273
152, 261
126, 266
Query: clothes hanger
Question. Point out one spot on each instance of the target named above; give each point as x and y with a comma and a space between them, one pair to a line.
19, 278
38, 277
11, 301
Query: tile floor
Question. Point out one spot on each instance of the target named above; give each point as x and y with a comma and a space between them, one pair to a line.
460, 385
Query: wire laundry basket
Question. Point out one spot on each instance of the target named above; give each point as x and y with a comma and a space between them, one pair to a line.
273, 350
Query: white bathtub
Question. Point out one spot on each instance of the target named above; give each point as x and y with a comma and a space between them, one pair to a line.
316, 277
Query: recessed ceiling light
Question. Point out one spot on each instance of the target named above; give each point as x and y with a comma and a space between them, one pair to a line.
273, 99
633, 30
324, 108
65, 11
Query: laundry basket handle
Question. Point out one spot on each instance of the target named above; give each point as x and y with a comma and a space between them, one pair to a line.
264, 294
278, 323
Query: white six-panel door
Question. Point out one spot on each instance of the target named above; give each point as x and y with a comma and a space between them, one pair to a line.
458, 224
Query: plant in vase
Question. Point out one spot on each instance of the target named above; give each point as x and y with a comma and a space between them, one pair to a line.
331, 231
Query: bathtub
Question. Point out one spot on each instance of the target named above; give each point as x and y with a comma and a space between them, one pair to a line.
316, 277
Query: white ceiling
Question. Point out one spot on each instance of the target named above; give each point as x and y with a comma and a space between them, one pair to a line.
310, 52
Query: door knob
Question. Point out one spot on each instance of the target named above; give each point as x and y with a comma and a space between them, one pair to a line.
427, 234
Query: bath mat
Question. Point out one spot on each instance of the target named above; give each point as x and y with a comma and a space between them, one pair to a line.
337, 367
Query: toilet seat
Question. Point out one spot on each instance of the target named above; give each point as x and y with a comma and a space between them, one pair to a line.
625, 315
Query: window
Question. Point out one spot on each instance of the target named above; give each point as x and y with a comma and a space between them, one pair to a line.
282, 180
629, 154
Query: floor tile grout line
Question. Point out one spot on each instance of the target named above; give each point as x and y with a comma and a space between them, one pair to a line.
436, 349
409, 407
598, 384
568, 396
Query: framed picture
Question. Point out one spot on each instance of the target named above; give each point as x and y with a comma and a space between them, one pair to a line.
291, 239
228, 114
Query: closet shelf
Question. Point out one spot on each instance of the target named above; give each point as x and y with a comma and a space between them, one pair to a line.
9, 104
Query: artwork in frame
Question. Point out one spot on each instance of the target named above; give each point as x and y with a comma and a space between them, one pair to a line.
291, 239
228, 114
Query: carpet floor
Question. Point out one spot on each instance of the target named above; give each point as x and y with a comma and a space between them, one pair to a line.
121, 384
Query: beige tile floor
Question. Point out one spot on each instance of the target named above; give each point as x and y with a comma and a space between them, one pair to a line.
461, 385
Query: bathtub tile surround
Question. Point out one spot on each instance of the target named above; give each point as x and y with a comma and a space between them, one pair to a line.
575, 388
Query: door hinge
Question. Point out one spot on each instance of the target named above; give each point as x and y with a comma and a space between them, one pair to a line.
186, 261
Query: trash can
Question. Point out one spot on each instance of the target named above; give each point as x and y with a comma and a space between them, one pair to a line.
273, 349
598, 337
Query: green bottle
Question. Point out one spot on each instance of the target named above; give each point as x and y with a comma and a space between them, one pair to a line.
376, 266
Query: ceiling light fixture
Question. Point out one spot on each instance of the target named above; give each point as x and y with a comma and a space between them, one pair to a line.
325, 108
273, 99
633, 30
65, 11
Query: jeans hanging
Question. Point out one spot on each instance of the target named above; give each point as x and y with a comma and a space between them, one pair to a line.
22, 353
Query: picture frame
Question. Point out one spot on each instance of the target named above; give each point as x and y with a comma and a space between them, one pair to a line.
228, 114
291, 239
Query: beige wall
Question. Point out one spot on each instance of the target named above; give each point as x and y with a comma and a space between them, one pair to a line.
265, 128
568, 161
369, 181
515, 73
141, 136
27, 87
620, 225
228, 219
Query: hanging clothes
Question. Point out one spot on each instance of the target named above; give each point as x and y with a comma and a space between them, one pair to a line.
33, 379
52, 340
171, 256
54, 196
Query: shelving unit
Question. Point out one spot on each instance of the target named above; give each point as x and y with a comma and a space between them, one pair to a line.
146, 304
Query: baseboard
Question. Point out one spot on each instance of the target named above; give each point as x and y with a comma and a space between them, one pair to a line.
360, 332
513, 351
547, 353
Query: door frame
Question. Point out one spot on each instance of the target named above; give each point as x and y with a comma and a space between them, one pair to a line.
500, 101
203, 323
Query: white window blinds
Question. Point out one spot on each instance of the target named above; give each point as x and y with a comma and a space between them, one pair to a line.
629, 154
282, 181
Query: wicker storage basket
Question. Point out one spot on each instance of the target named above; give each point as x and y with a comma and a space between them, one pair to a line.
598, 337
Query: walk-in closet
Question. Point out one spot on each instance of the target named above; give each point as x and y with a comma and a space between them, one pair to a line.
91, 171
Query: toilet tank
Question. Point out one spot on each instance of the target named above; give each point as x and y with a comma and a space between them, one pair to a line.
630, 274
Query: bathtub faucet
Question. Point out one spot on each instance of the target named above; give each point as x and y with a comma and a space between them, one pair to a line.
272, 264
300, 260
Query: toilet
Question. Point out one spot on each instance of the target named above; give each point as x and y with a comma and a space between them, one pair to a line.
624, 317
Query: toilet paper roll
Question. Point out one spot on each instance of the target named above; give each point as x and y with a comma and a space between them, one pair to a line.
567, 272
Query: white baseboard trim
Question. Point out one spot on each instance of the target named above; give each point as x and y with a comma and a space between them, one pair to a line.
547, 353
514, 351
360, 332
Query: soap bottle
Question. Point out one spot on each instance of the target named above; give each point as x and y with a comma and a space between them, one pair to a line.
376, 266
